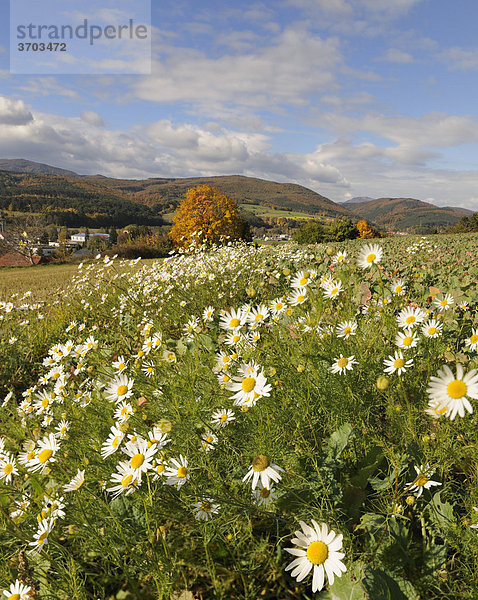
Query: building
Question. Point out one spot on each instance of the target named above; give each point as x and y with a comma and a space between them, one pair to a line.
81, 237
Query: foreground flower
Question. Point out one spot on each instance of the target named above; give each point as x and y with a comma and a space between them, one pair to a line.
205, 509
370, 254
406, 339
45, 454
18, 591
410, 316
40, 539
397, 364
120, 389
445, 302
318, 550
472, 341
453, 391
343, 364
422, 481
250, 385
77, 481
262, 469
432, 328
177, 471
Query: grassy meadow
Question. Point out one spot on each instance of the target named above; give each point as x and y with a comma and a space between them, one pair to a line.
281, 422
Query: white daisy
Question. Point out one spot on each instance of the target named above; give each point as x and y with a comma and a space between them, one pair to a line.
343, 364
397, 364
444, 302
177, 472
18, 591
422, 480
77, 481
345, 329
472, 341
406, 339
249, 386
398, 287
370, 254
120, 389
410, 316
264, 496
318, 550
45, 454
262, 469
453, 392
432, 328
205, 509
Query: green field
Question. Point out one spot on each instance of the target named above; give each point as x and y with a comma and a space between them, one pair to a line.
170, 429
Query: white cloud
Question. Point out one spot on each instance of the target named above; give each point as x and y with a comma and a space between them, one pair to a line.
287, 71
459, 58
14, 112
92, 118
394, 55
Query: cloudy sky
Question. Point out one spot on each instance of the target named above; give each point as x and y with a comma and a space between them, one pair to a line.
347, 97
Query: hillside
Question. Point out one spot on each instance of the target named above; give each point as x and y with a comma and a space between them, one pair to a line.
99, 201
20, 165
399, 214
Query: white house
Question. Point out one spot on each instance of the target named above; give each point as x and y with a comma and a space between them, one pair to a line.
81, 237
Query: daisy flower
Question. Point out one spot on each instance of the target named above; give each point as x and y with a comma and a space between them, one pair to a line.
205, 509
140, 455
119, 389
422, 481
208, 441
432, 328
445, 302
301, 280
370, 254
208, 313
124, 480
332, 289
221, 417
62, 428
298, 296
345, 329
232, 320
18, 591
120, 364
45, 454
410, 316
8, 468
343, 364
472, 341
77, 481
148, 369
339, 257
157, 438
397, 364
258, 315
249, 386
436, 409
277, 306
262, 469
398, 287
123, 412
40, 539
177, 471
318, 551
406, 339
264, 496
453, 391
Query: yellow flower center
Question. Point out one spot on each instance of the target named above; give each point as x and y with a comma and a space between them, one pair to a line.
317, 552
421, 481
457, 389
342, 362
248, 384
371, 258
31, 455
399, 363
14, 597
122, 389
432, 331
8, 468
234, 322
265, 493
150, 369
42, 538
182, 472
300, 298
259, 317
303, 281
409, 320
223, 418
140, 353
279, 306
347, 330
474, 338
206, 506
121, 366
334, 291
443, 303
126, 480
124, 411
209, 439
440, 411
260, 463
407, 340
45, 402
137, 460
45, 455
398, 289
225, 359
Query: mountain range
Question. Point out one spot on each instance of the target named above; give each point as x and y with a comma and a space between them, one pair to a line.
41, 187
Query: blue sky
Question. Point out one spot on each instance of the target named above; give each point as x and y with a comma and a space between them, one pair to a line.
347, 97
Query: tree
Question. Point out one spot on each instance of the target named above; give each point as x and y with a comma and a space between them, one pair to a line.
342, 229
23, 235
365, 231
207, 215
312, 232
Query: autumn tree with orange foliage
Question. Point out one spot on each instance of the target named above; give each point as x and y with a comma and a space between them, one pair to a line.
207, 215
365, 231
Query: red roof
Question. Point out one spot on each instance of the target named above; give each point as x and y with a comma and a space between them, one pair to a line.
15, 259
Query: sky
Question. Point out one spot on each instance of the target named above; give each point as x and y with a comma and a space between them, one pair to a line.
374, 98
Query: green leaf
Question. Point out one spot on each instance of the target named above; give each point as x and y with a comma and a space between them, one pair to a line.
338, 441
440, 513
345, 588
382, 585
434, 558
